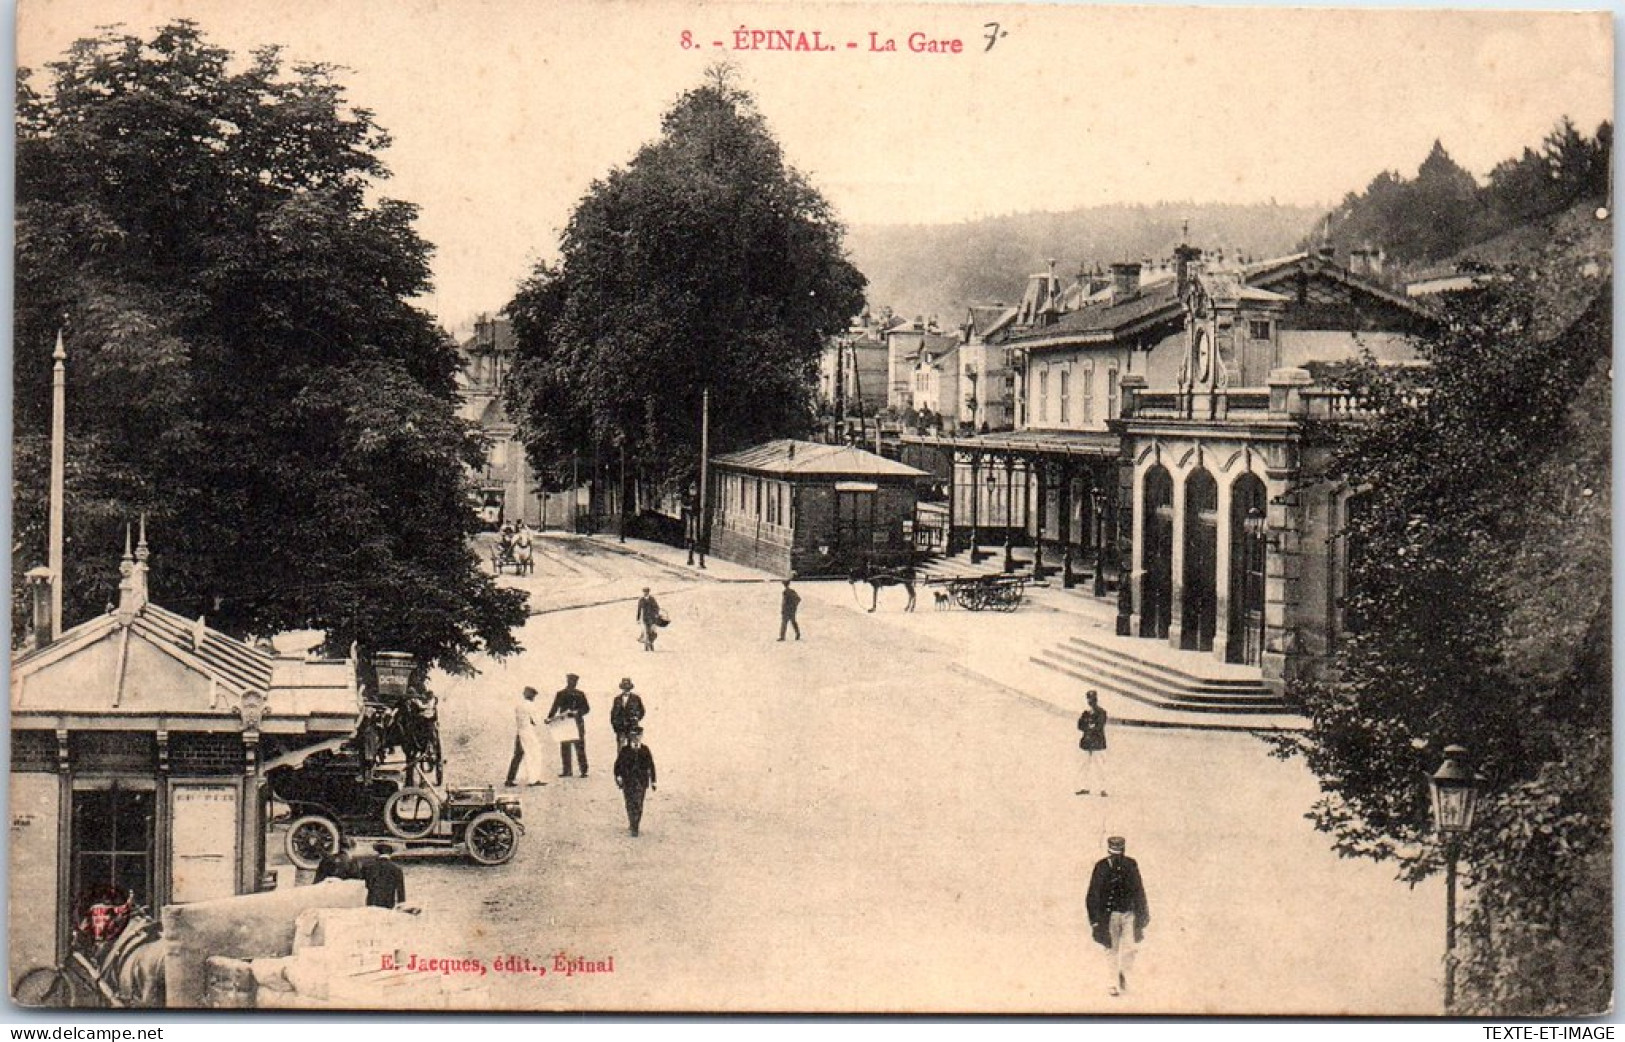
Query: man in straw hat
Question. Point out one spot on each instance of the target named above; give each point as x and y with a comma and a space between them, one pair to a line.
635, 774
1118, 913
625, 713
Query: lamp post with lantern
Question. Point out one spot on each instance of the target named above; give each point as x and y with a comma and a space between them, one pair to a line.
1454, 789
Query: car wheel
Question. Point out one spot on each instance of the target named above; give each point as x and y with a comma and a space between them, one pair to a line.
491, 838
412, 813
310, 839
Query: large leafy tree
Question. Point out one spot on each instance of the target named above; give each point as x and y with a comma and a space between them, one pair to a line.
246, 366
1478, 575
705, 263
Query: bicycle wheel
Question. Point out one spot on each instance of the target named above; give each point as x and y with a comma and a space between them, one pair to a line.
42, 986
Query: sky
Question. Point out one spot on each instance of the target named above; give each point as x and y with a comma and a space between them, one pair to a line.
503, 112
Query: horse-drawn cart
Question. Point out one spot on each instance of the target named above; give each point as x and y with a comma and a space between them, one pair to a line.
987, 592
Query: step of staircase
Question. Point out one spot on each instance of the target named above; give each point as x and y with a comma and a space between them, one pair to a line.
1159, 684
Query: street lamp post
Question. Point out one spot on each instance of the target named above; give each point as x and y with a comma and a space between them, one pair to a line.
1254, 527
1097, 504
1455, 797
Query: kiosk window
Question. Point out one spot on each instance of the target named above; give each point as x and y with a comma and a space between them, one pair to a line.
112, 841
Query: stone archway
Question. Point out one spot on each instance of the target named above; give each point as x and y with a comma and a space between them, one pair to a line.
1199, 582
1156, 585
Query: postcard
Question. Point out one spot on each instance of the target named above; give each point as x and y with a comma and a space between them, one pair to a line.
855, 508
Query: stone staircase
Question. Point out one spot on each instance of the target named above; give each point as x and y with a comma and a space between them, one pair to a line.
1164, 679
958, 566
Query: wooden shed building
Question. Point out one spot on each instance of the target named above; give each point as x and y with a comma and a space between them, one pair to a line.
802, 508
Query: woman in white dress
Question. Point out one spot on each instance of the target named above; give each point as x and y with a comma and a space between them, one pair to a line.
527, 743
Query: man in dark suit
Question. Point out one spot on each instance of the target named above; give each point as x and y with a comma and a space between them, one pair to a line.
634, 773
386, 883
1118, 912
571, 702
625, 713
649, 619
1092, 722
789, 601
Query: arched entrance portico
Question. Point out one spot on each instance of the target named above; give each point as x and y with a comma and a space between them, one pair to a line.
1248, 511
1199, 593
1156, 585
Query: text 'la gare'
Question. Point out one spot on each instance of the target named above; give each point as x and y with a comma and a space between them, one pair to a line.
748, 39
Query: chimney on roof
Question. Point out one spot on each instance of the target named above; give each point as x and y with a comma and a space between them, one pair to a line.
39, 587
1125, 280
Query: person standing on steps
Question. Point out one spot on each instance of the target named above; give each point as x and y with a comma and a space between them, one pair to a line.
635, 774
789, 601
1092, 771
571, 704
1118, 912
625, 714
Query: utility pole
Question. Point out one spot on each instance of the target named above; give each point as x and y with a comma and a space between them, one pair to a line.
575, 493
704, 522
59, 453
840, 387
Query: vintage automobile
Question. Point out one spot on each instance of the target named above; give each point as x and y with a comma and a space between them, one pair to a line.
340, 791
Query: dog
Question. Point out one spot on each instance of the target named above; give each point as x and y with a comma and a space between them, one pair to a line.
944, 601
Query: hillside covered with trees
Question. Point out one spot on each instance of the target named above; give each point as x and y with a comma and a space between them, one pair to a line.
940, 270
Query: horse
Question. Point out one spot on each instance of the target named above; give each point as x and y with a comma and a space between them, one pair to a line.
903, 578
123, 951
524, 561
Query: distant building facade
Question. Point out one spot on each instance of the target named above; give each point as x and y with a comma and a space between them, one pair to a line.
853, 370
1158, 442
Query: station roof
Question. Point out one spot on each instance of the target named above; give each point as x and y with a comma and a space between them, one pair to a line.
788, 457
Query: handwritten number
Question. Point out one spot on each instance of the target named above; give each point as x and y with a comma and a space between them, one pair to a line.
688, 40
994, 35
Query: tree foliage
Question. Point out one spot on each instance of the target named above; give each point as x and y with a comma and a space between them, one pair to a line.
1443, 209
1477, 572
245, 364
705, 263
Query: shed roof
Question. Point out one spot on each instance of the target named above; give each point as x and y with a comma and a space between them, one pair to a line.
791, 457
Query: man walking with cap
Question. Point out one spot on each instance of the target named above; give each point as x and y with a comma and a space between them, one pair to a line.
625, 713
1118, 913
570, 704
634, 773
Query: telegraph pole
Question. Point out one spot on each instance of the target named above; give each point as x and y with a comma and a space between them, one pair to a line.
704, 522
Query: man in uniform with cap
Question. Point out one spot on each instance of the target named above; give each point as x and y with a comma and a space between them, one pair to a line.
1118, 913
634, 773
625, 713
571, 703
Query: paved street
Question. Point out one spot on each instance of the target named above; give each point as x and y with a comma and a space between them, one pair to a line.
859, 822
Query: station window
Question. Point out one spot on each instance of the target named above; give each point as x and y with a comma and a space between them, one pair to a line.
1258, 328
